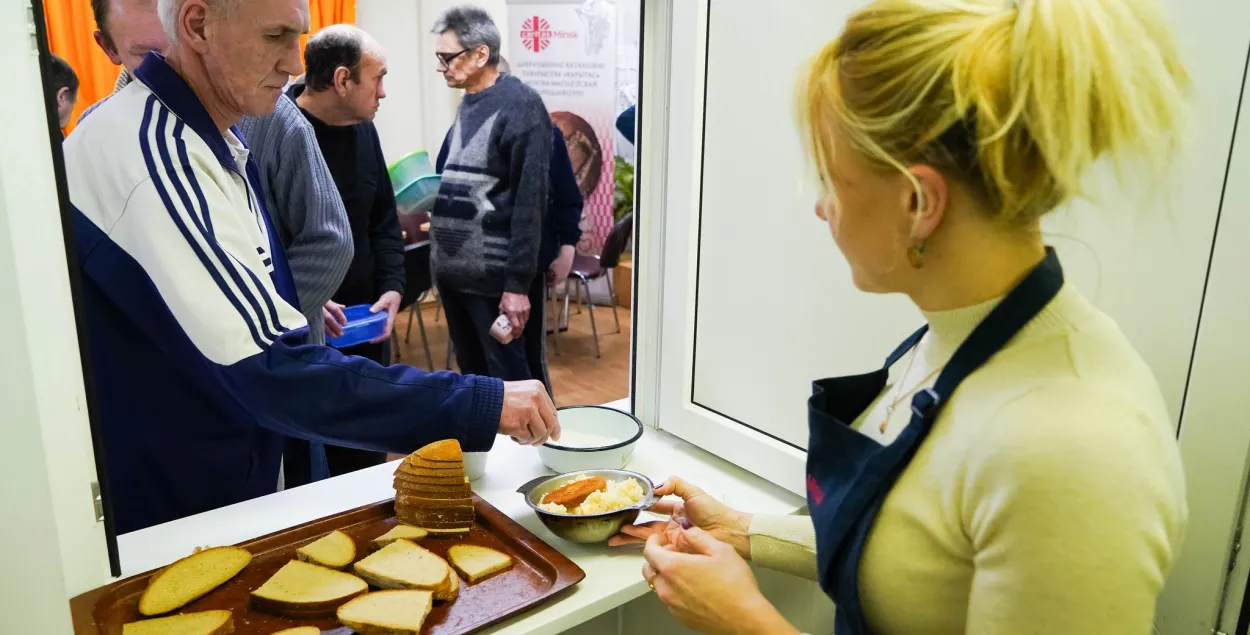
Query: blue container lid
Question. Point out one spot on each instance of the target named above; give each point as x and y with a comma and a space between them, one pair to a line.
362, 326
419, 195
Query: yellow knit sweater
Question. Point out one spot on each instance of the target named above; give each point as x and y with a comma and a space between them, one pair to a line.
1049, 497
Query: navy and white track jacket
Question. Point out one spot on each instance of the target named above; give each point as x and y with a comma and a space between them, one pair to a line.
196, 340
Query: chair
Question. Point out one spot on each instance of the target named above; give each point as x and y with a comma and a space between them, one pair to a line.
589, 268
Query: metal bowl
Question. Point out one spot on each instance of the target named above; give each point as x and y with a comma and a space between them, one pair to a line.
590, 529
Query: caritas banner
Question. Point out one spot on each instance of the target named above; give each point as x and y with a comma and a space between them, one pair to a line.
567, 52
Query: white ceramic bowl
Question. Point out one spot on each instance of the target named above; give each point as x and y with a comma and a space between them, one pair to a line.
592, 438
475, 465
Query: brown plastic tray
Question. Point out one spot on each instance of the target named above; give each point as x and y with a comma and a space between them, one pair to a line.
538, 573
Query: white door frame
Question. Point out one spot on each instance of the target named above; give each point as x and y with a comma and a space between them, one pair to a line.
1202, 596
49, 464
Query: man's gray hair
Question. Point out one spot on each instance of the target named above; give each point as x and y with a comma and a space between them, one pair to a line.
169, 10
473, 26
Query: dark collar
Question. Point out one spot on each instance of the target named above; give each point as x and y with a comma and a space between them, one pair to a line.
176, 94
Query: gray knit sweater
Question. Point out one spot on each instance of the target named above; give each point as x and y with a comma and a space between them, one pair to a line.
304, 204
486, 227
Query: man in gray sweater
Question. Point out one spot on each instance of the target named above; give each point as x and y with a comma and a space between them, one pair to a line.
299, 191
486, 227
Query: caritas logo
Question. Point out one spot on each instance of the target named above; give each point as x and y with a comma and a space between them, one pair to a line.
537, 34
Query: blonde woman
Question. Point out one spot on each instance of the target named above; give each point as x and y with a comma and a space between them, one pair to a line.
1012, 469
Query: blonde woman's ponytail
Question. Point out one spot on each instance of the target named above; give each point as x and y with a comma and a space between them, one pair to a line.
1018, 100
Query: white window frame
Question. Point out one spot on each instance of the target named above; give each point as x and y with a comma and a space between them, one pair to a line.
1215, 441
669, 179
1204, 594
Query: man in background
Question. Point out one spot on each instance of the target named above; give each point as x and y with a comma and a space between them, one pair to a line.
486, 226
197, 349
126, 30
298, 190
561, 230
64, 84
343, 86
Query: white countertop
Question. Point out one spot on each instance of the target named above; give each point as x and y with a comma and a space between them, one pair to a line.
613, 576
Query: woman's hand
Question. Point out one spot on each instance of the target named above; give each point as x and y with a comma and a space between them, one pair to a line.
695, 509
706, 585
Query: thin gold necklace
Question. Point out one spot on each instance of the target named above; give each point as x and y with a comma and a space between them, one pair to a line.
899, 396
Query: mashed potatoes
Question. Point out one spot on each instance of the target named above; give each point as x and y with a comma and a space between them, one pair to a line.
619, 495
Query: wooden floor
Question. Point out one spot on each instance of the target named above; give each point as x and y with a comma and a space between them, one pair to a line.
577, 376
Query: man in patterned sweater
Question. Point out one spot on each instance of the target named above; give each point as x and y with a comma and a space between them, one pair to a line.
486, 227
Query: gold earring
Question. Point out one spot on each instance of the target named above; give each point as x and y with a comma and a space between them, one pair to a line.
915, 255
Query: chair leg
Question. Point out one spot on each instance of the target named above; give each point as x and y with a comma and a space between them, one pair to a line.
612, 294
438, 310
395, 350
554, 318
411, 314
590, 307
564, 319
450, 349
425, 341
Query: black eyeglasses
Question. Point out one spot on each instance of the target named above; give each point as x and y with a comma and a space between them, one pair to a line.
448, 58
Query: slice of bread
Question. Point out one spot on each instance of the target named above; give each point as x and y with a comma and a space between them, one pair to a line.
429, 491
454, 532
442, 504
453, 588
416, 515
399, 532
202, 623
414, 461
404, 565
300, 630
387, 612
335, 550
191, 578
300, 589
430, 524
427, 478
475, 563
442, 451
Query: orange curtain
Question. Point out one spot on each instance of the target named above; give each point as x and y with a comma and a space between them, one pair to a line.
71, 29
323, 13
70, 35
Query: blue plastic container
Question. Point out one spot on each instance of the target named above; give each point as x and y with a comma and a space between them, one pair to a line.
418, 196
362, 326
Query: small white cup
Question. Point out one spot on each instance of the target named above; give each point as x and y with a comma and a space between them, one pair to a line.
475, 465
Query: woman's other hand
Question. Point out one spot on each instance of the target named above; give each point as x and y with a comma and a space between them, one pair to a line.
695, 509
707, 586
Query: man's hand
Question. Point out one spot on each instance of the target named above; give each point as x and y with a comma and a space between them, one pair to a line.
528, 415
389, 302
517, 307
335, 319
562, 265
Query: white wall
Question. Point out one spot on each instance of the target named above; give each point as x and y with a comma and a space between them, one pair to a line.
1142, 263
419, 107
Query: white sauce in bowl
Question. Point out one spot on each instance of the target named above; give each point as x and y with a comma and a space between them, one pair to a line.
579, 439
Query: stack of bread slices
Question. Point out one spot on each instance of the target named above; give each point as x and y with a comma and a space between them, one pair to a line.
431, 491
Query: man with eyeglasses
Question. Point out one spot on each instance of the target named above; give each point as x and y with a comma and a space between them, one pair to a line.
486, 227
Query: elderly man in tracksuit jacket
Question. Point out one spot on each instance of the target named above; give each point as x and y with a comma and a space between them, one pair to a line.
197, 343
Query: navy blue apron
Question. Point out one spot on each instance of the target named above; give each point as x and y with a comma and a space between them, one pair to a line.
849, 474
